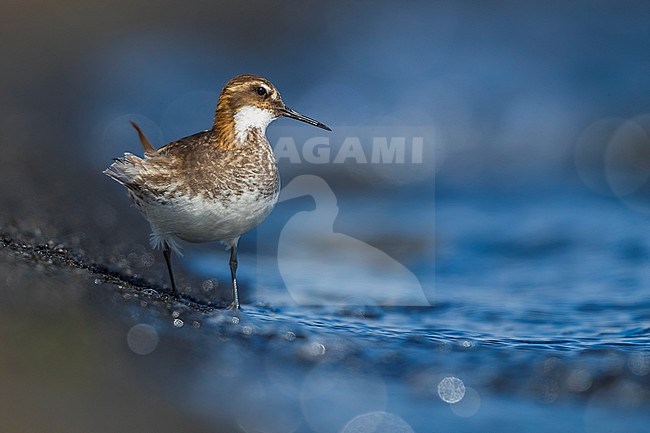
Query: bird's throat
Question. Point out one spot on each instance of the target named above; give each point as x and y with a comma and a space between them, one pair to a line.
248, 118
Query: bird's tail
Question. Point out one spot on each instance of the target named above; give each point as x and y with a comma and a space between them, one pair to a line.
124, 170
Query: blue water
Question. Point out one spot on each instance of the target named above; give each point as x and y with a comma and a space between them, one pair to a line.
558, 264
555, 266
538, 304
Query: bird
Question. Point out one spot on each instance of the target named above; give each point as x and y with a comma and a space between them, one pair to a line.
215, 185
356, 273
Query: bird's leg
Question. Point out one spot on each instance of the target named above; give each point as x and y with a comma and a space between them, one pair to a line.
233, 274
168, 260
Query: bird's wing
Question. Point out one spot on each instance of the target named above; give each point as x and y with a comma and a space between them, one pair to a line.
185, 144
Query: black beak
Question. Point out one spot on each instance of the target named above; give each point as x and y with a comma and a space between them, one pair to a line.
288, 112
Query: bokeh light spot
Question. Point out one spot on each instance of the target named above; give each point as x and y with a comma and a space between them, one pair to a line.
469, 405
142, 339
377, 422
451, 389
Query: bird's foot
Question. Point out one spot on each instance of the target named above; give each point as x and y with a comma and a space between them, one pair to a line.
234, 306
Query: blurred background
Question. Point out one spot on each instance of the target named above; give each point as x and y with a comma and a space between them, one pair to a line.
525, 225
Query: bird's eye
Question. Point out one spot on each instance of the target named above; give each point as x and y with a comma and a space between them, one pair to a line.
261, 91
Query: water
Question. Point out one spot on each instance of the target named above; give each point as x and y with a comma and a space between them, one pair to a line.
514, 266
539, 320
561, 264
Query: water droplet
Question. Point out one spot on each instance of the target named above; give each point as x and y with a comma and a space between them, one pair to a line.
579, 381
235, 320
613, 364
331, 397
377, 422
142, 339
175, 314
98, 281
551, 364
451, 389
178, 323
147, 259
290, 336
469, 405
209, 285
247, 330
314, 349
639, 363
548, 391
196, 324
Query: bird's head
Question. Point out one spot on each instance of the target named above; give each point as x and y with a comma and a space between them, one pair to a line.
251, 102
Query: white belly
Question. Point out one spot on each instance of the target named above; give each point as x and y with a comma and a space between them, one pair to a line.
200, 219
